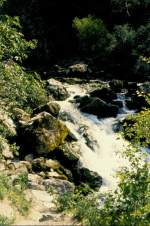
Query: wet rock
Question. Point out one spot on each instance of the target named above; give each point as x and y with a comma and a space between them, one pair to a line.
118, 103
68, 155
82, 101
89, 141
144, 87
106, 94
137, 102
71, 137
93, 179
60, 186
57, 90
66, 116
51, 107
43, 133
100, 108
117, 85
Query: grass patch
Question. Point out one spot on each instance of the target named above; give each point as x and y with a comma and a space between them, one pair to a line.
15, 192
5, 221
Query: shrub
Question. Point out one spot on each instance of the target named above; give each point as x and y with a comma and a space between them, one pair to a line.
15, 194
93, 36
12, 43
18, 88
136, 128
19, 200
4, 186
5, 221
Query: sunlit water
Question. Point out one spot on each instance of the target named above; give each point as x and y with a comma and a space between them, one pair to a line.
100, 146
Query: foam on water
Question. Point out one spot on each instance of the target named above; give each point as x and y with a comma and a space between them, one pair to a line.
103, 157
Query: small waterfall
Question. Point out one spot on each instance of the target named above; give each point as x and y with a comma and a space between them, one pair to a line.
98, 142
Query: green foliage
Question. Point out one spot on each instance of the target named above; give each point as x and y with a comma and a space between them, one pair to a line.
136, 128
125, 35
129, 5
2, 2
12, 43
3, 130
14, 193
19, 200
128, 205
4, 221
93, 35
4, 186
143, 40
22, 180
19, 88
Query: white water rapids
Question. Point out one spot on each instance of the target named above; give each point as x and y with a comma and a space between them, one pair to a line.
100, 153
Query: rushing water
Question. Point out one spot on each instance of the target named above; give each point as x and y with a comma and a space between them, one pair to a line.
100, 146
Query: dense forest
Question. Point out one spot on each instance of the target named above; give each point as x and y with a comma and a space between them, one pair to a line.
75, 112
114, 37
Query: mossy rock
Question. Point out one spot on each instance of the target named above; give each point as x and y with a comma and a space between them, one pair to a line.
43, 133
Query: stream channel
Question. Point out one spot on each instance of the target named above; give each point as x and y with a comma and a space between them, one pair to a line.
99, 144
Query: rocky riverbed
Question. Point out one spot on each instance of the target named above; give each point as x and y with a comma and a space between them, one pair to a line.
68, 142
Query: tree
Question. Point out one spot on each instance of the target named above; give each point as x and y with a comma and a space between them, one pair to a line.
93, 36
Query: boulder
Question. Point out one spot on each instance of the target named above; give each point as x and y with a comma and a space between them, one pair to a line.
144, 87
51, 107
82, 101
100, 108
68, 155
93, 179
57, 90
79, 68
17, 167
117, 85
60, 186
43, 133
35, 182
106, 94
137, 103
42, 164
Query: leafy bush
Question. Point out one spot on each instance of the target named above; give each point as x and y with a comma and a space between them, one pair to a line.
15, 194
136, 128
19, 200
125, 35
4, 221
22, 180
93, 35
4, 186
12, 43
19, 88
